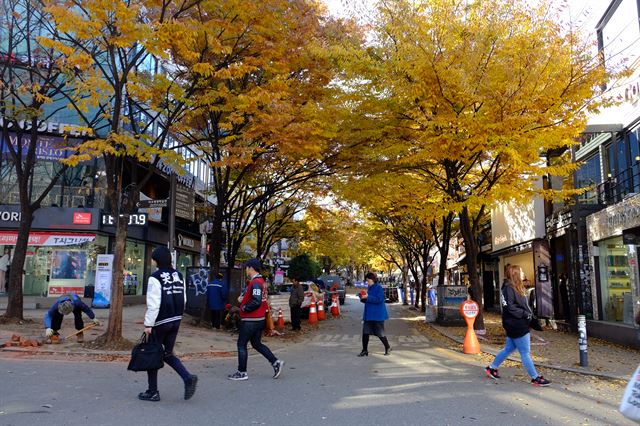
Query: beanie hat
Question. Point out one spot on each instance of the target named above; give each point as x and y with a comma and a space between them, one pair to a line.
65, 307
254, 263
162, 256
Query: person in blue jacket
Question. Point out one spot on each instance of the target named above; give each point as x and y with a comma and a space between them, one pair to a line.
63, 306
217, 293
375, 314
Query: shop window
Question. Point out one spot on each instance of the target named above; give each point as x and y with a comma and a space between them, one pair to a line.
184, 261
133, 267
615, 281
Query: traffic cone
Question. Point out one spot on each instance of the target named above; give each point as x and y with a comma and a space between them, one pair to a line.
313, 314
269, 324
280, 319
335, 311
321, 313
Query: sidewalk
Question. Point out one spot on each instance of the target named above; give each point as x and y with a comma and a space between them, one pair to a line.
193, 341
549, 348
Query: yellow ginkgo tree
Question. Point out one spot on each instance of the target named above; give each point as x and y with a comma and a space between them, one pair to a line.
263, 98
32, 91
471, 96
126, 88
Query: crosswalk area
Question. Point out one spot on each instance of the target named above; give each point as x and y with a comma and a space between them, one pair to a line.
338, 340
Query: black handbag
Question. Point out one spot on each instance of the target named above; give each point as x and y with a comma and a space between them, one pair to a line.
535, 324
146, 355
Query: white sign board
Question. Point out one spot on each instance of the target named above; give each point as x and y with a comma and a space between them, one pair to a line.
104, 276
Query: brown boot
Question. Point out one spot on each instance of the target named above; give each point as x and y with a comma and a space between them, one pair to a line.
81, 338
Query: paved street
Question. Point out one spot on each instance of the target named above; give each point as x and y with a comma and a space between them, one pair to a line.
323, 383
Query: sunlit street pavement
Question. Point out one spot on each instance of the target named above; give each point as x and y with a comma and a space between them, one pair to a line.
323, 383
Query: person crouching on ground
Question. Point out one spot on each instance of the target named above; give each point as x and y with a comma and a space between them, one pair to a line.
375, 314
253, 311
166, 298
63, 306
516, 316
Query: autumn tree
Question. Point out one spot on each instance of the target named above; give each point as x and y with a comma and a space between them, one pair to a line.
32, 88
471, 96
262, 76
341, 236
129, 92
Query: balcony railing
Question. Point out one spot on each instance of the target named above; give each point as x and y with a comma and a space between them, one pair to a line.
617, 188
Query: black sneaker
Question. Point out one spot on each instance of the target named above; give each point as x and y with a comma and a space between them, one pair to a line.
149, 396
277, 368
492, 372
190, 386
238, 375
540, 381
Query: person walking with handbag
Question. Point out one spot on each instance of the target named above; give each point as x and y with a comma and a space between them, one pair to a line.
253, 311
375, 314
295, 304
516, 316
166, 298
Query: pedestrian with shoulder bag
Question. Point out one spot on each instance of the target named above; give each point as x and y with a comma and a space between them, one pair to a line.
166, 298
516, 320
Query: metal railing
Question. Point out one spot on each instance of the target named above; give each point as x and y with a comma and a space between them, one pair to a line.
616, 188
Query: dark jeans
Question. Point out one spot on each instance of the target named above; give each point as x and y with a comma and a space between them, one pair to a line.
251, 331
216, 318
57, 317
166, 334
296, 312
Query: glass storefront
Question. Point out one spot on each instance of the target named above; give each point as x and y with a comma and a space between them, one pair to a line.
615, 281
134, 259
55, 270
184, 261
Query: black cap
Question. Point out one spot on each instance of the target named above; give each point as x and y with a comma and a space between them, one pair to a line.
254, 263
162, 256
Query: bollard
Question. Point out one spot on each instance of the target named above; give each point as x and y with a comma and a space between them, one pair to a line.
469, 310
582, 340
411, 294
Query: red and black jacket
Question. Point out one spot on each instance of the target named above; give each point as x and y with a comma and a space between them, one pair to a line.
254, 305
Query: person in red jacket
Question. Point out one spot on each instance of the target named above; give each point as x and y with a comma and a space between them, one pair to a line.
253, 311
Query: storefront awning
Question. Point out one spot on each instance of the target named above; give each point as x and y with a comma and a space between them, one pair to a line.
47, 238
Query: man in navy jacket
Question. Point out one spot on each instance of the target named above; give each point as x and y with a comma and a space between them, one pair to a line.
217, 293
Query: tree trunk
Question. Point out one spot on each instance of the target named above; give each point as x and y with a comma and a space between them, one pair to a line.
15, 300
471, 250
114, 327
405, 285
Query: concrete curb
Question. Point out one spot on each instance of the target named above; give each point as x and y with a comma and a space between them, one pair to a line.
127, 354
491, 350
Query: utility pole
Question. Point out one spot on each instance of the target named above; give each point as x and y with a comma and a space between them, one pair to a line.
172, 218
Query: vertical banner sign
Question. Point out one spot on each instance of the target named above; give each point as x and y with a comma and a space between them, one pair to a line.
104, 275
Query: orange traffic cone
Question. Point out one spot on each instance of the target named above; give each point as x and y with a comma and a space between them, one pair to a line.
280, 319
269, 323
469, 310
321, 313
313, 314
335, 311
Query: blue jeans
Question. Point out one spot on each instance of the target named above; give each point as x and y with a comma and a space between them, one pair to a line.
251, 331
523, 344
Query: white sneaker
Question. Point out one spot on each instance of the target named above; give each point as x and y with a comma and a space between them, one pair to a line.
277, 368
238, 375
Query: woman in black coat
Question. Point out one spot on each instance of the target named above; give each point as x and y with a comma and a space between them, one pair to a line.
516, 316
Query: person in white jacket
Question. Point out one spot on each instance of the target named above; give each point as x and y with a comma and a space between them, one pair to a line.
166, 298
